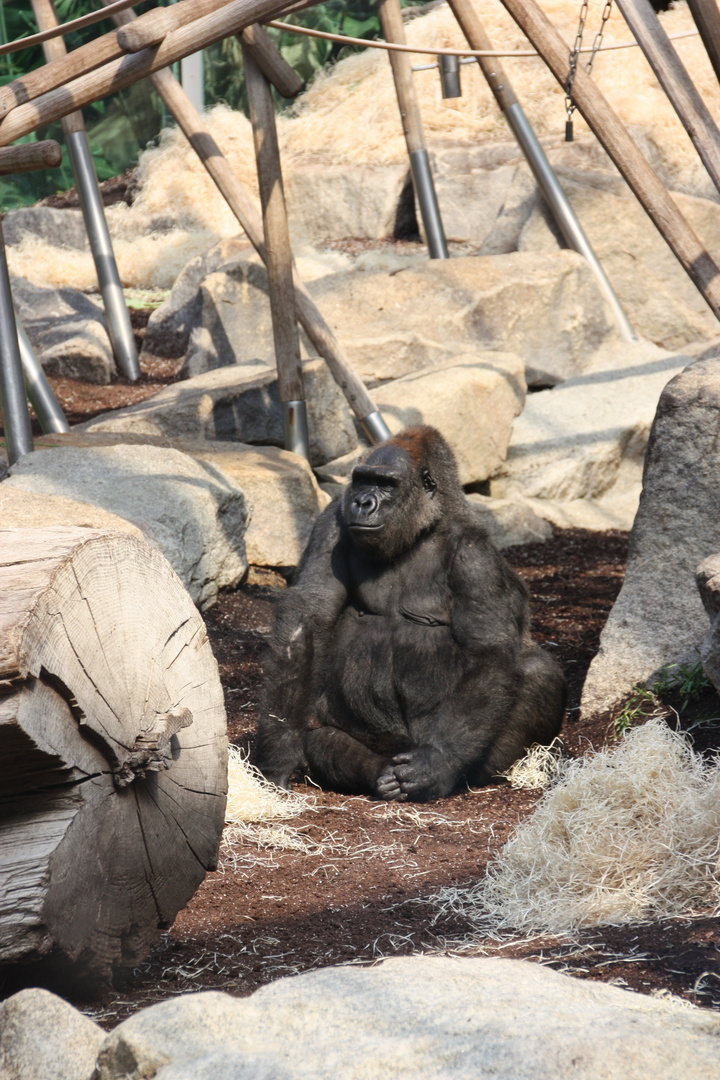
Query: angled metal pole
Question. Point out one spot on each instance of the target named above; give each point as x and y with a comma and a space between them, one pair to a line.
38, 389
119, 328
393, 30
15, 415
565, 218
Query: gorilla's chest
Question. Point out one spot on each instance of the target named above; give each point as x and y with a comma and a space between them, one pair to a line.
414, 589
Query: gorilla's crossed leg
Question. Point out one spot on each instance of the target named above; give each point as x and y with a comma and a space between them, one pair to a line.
406, 638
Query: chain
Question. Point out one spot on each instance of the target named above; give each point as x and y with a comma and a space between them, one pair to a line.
607, 10
575, 56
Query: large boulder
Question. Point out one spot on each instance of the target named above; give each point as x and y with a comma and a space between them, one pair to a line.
661, 302
21, 509
239, 403
61, 228
332, 202
194, 514
430, 1017
44, 1038
707, 577
658, 618
66, 329
578, 440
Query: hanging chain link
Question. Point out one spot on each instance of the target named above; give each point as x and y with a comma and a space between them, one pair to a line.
575, 56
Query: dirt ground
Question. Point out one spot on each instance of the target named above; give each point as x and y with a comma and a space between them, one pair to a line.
358, 891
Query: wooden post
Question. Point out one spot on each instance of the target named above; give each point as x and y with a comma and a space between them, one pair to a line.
675, 81
394, 31
706, 16
600, 117
38, 155
118, 320
278, 257
113, 749
271, 62
242, 205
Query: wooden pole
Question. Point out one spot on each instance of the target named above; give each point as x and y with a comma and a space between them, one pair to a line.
233, 17
55, 74
38, 155
600, 117
278, 256
150, 29
243, 207
706, 16
54, 49
675, 81
394, 31
271, 62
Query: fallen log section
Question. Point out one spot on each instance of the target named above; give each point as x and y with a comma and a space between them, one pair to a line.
113, 752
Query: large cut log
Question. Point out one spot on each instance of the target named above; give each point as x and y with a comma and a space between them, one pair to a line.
113, 752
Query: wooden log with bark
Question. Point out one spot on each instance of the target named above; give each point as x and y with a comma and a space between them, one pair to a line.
113, 750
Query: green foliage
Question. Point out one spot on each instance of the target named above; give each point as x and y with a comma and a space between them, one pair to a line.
679, 686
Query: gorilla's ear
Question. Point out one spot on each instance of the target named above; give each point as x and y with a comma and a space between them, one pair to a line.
427, 482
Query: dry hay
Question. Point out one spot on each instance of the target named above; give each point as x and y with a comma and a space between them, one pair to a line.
626, 834
540, 768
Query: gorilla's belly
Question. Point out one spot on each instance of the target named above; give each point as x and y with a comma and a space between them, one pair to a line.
390, 674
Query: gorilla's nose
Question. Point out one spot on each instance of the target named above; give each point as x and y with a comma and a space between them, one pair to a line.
365, 504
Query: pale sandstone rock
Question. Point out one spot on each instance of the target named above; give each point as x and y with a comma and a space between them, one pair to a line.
44, 1038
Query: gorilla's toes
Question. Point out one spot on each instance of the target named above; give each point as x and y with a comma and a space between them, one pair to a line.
388, 786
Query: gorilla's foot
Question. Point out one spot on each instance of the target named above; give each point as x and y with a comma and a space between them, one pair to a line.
388, 786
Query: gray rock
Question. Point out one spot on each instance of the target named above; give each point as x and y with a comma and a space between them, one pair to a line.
658, 618
430, 1017
44, 1038
331, 202
707, 578
66, 329
660, 300
189, 510
21, 509
472, 400
169, 327
572, 442
60, 228
546, 309
239, 403
509, 522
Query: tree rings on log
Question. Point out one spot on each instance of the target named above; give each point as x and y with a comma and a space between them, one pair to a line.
113, 749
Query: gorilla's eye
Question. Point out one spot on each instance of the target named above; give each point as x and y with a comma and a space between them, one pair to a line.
428, 482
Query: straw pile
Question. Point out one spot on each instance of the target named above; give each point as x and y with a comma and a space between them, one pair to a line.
627, 834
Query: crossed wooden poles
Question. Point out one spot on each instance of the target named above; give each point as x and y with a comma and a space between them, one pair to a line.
146, 46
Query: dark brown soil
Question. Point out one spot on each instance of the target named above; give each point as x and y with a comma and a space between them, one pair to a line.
268, 913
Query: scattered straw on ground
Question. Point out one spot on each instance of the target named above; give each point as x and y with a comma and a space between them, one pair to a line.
627, 834
540, 768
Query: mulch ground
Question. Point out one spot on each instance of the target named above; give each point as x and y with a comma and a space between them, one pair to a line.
359, 891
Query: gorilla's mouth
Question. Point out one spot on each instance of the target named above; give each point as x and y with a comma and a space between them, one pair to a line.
367, 528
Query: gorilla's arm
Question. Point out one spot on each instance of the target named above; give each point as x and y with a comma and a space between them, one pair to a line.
488, 620
304, 619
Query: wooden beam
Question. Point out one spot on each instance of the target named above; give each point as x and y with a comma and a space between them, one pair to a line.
278, 256
150, 29
675, 81
233, 17
55, 49
600, 117
707, 19
29, 156
270, 61
54, 74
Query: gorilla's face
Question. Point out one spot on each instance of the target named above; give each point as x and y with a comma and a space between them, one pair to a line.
390, 501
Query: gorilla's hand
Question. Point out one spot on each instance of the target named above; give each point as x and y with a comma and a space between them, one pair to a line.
388, 786
423, 774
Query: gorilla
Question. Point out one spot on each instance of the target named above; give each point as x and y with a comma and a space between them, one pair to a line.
401, 663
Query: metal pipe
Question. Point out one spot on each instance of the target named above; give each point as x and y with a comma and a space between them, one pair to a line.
563, 212
38, 389
118, 320
429, 209
295, 428
15, 415
375, 428
449, 76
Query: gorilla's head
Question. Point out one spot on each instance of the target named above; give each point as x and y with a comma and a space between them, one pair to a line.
400, 492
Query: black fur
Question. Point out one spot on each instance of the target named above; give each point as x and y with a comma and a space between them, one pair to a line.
401, 662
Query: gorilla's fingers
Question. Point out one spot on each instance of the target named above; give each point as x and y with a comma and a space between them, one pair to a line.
388, 787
